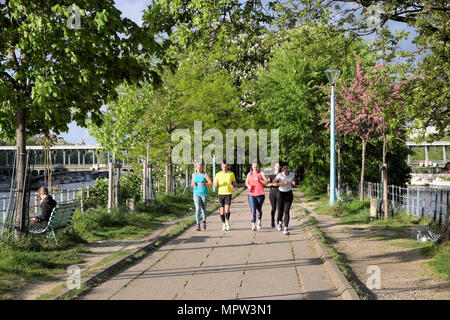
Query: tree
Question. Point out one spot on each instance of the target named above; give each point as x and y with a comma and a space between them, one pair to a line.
52, 74
356, 114
287, 94
47, 142
428, 103
389, 104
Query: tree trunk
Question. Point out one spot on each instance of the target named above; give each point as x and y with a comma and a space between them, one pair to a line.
385, 179
21, 214
169, 172
339, 168
363, 159
167, 179
117, 187
50, 167
144, 183
150, 177
110, 185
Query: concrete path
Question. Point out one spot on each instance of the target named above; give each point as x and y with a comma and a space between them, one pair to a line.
221, 265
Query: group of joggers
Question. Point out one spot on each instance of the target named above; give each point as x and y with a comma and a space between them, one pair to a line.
280, 196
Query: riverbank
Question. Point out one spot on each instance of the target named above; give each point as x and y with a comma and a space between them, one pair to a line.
409, 270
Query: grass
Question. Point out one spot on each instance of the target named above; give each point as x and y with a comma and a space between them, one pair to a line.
357, 212
440, 263
31, 258
99, 224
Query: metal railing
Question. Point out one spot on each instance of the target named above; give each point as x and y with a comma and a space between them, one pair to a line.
61, 196
418, 201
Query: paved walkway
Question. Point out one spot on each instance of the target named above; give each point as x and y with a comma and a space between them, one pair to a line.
235, 264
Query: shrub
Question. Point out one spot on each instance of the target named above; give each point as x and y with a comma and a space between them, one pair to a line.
130, 186
98, 195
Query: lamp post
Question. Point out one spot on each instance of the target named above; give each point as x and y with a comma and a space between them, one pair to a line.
333, 76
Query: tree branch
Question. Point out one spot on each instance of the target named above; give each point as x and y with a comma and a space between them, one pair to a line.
10, 79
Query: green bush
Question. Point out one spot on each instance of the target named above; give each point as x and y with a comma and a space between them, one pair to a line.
130, 186
98, 195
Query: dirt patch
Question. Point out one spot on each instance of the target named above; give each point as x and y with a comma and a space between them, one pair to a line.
404, 273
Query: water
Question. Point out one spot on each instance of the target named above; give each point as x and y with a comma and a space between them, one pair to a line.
429, 201
34, 201
68, 186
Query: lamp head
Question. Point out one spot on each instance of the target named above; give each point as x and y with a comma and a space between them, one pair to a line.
333, 75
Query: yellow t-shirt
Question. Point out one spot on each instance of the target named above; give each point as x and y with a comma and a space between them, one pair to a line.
224, 181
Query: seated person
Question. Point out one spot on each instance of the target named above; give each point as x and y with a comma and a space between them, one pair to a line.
47, 205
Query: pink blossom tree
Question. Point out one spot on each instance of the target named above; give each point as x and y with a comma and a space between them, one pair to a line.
368, 107
355, 113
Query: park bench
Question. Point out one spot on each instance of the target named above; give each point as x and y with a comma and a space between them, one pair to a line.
60, 217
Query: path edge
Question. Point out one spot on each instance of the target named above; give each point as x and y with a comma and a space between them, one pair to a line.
344, 288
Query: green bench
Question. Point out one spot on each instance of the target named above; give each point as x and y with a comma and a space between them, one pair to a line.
60, 217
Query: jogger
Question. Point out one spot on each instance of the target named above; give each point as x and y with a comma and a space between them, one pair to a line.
285, 181
225, 181
200, 182
273, 194
254, 182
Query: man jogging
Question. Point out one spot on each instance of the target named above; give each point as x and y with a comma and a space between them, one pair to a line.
225, 182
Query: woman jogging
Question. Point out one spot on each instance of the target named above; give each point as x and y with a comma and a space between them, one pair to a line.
225, 181
200, 182
255, 183
285, 181
273, 195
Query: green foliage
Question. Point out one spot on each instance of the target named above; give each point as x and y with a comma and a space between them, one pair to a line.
288, 94
58, 74
130, 186
441, 261
98, 195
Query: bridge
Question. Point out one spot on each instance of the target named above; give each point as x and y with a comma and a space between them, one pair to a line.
437, 144
65, 159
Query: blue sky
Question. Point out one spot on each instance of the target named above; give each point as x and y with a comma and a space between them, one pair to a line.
133, 9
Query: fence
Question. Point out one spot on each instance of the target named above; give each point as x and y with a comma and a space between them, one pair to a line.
417, 201
61, 196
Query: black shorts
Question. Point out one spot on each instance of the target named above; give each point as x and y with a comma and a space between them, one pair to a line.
224, 200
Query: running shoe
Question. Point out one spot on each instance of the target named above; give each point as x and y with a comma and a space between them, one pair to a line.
224, 227
259, 225
279, 226
227, 226
285, 230
204, 225
253, 227
198, 227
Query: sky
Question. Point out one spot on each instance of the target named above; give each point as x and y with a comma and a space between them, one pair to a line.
133, 9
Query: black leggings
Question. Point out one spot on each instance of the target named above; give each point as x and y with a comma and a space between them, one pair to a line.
273, 200
284, 200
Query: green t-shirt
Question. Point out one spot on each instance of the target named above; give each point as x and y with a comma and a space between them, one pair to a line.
224, 181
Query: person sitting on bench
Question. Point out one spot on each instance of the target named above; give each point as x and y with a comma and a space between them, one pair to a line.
47, 206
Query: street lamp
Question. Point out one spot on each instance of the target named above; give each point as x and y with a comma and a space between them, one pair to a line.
333, 76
